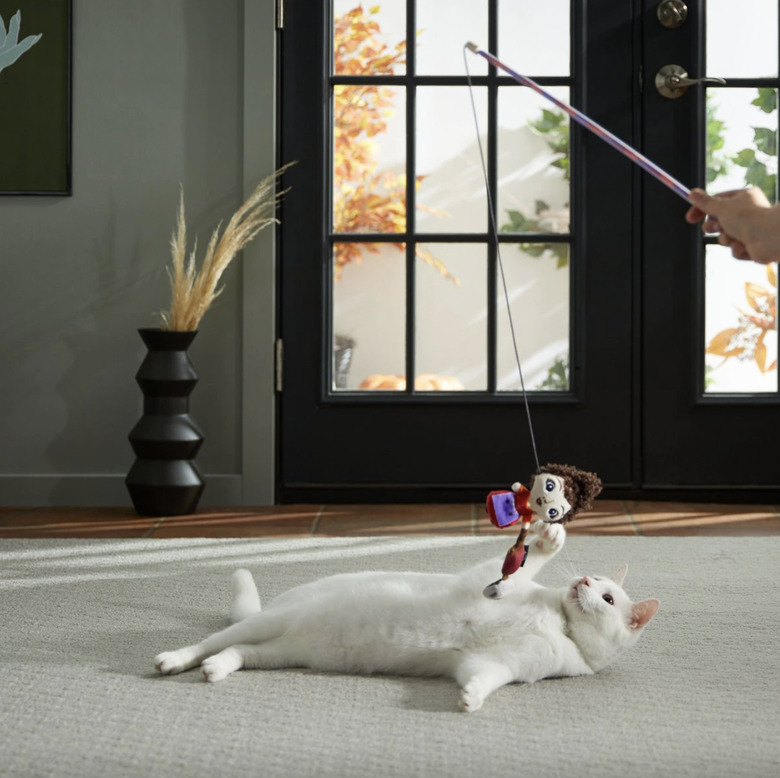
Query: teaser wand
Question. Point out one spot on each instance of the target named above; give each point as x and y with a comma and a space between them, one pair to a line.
623, 147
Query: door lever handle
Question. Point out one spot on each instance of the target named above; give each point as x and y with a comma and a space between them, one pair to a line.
672, 81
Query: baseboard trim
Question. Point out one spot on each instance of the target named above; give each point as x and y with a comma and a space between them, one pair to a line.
99, 491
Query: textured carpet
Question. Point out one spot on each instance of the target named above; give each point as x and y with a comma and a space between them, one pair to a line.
80, 622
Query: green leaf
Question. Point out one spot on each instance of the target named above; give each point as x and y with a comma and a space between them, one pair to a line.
766, 100
550, 120
561, 250
766, 140
533, 249
563, 164
745, 158
757, 175
517, 222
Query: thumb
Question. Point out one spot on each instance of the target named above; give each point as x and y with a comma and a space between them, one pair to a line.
702, 201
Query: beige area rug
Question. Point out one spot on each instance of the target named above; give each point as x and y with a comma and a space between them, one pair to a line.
82, 621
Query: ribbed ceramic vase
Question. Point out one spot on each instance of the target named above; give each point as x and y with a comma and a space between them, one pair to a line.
164, 479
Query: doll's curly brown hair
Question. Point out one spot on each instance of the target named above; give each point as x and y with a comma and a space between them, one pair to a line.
579, 487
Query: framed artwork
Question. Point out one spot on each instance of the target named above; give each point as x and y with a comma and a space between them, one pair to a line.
35, 97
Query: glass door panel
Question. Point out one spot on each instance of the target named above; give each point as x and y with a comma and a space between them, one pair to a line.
538, 288
533, 162
369, 315
533, 37
740, 327
441, 33
742, 39
451, 318
368, 40
451, 190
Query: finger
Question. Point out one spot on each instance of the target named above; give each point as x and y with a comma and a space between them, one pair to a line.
701, 200
694, 215
711, 225
739, 251
725, 240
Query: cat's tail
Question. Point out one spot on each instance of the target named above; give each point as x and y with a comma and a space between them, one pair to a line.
246, 600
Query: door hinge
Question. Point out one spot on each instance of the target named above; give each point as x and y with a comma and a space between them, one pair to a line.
278, 364
279, 14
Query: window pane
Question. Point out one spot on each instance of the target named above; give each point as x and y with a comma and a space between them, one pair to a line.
538, 288
451, 317
533, 37
369, 40
442, 34
369, 316
369, 154
740, 324
451, 195
533, 162
742, 139
742, 39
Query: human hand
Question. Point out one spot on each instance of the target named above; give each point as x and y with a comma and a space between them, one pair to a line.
746, 221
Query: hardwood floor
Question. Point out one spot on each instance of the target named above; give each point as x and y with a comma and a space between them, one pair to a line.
609, 517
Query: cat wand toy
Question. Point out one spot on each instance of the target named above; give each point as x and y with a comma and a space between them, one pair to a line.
557, 492
627, 151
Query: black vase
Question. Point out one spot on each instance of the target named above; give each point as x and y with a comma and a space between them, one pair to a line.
164, 479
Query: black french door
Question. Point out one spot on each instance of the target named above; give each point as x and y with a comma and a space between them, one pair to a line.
704, 432
606, 281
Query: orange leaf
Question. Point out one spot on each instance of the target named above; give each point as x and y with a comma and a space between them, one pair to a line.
760, 356
756, 295
719, 345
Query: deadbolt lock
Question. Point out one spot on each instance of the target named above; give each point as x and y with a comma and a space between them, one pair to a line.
672, 13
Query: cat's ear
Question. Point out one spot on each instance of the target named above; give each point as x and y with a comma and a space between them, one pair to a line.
620, 575
642, 612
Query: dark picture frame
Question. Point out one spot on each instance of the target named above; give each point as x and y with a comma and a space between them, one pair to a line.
35, 97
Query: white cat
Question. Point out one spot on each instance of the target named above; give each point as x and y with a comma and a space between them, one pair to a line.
429, 624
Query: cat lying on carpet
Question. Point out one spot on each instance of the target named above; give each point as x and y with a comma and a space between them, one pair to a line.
429, 624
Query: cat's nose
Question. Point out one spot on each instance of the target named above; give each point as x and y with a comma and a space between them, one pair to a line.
585, 581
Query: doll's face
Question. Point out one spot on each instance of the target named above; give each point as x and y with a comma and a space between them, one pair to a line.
547, 497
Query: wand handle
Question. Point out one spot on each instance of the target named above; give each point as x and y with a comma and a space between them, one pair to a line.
627, 151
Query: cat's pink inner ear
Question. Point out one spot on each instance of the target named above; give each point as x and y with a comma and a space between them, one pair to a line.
642, 612
620, 575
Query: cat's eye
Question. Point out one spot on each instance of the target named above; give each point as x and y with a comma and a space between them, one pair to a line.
549, 485
552, 513
608, 598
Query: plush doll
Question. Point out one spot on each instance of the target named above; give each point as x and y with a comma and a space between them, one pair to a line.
557, 494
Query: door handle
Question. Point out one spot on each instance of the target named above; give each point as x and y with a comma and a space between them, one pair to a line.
672, 81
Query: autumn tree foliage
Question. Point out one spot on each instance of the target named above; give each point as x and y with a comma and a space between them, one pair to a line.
364, 199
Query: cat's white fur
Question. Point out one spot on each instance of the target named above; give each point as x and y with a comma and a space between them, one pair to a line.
429, 624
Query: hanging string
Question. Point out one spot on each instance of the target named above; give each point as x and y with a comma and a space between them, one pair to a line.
494, 230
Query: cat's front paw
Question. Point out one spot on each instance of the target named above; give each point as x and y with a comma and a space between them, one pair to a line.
470, 701
549, 537
499, 589
171, 662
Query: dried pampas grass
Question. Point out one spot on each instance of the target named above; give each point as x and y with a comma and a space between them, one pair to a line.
193, 290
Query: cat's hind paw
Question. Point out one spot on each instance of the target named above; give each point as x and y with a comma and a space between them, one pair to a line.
549, 537
221, 665
470, 701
